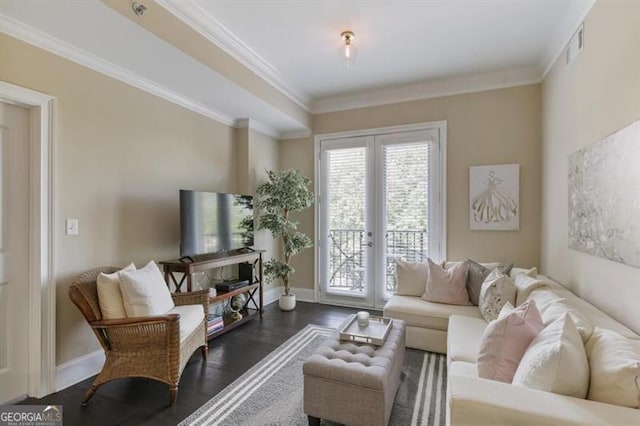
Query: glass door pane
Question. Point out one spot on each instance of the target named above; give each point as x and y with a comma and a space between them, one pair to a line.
405, 193
347, 242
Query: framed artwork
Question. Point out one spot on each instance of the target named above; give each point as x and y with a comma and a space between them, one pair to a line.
604, 197
494, 197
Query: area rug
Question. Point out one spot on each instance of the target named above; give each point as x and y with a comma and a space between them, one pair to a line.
270, 393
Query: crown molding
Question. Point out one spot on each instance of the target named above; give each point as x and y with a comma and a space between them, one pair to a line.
295, 134
250, 123
213, 30
430, 89
61, 48
574, 14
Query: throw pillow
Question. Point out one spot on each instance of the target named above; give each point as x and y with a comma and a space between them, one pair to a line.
411, 278
144, 292
476, 276
555, 361
532, 272
559, 307
506, 339
109, 294
496, 290
544, 297
615, 368
525, 285
447, 285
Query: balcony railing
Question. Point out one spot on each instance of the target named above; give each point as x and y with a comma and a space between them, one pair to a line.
347, 256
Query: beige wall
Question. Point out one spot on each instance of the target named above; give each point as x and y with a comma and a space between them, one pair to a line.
257, 153
594, 96
492, 127
121, 156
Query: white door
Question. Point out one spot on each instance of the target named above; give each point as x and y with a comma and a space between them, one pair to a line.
379, 202
14, 237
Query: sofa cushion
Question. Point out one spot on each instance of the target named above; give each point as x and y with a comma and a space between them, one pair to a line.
525, 285
614, 362
477, 274
555, 361
417, 312
505, 341
559, 307
109, 294
411, 278
544, 297
191, 316
447, 285
497, 290
464, 337
145, 292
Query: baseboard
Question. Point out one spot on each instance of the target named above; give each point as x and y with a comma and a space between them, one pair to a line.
78, 369
302, 294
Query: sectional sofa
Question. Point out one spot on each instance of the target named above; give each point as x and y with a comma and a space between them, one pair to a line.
457, 331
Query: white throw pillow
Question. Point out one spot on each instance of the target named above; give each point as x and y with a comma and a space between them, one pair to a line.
555, 361
145, 292
109, 294
411, 278
615, 368
532, 272
525, 285
544, 297
496, 291
559, 307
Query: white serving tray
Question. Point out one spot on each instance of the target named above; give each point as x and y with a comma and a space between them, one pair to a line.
373, 334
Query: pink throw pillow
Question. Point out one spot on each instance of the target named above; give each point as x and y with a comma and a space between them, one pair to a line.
447, 285
506, 339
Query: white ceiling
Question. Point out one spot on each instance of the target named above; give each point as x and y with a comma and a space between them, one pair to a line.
399, 42
407, 49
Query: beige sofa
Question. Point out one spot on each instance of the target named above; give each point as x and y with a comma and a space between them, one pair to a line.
457, 331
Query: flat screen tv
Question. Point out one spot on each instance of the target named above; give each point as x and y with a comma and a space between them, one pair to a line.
212, 222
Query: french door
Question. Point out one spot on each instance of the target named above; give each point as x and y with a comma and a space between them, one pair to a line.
380, 200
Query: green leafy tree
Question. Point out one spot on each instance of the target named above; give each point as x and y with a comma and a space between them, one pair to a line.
284, 193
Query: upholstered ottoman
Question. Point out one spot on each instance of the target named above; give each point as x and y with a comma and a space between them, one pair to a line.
351, 383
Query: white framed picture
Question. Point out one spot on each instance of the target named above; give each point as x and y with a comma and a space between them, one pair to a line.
494, 197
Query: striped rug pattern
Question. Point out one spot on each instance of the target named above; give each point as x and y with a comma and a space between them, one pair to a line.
270, 393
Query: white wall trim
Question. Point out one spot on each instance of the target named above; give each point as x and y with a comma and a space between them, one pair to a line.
250, 123
574, 15
61, 48
272, 295
79, 369
296, 134
429, 89
206, 25
42, 301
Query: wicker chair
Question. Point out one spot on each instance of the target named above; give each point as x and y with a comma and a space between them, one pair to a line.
139, 347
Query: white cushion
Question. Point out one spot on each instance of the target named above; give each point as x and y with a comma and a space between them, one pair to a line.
191, 316
544, 297
109, 294
615, 368
555, 361
532, 272
411, 278
497, 290
464, 336
417, 312
559, 307
144, 292
525, 285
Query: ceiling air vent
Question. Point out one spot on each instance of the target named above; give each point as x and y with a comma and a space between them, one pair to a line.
575, 44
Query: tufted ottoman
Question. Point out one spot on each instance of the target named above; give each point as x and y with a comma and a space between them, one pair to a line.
352, 383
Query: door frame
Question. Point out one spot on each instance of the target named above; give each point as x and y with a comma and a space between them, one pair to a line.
441, 126
42, 294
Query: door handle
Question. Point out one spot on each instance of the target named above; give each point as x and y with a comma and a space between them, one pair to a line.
369, 244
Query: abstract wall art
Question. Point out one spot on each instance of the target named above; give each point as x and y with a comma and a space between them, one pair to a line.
494, 197
604, 197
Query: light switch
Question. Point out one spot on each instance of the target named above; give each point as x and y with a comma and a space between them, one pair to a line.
72, 227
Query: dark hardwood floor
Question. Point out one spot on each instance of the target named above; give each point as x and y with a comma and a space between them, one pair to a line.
145, 402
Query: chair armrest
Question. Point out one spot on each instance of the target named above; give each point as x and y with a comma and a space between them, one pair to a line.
134, 335
200, 297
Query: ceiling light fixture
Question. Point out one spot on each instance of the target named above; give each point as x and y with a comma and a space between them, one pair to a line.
138, 8
347, 51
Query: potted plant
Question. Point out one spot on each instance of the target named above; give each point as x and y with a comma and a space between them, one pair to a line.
284, 193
